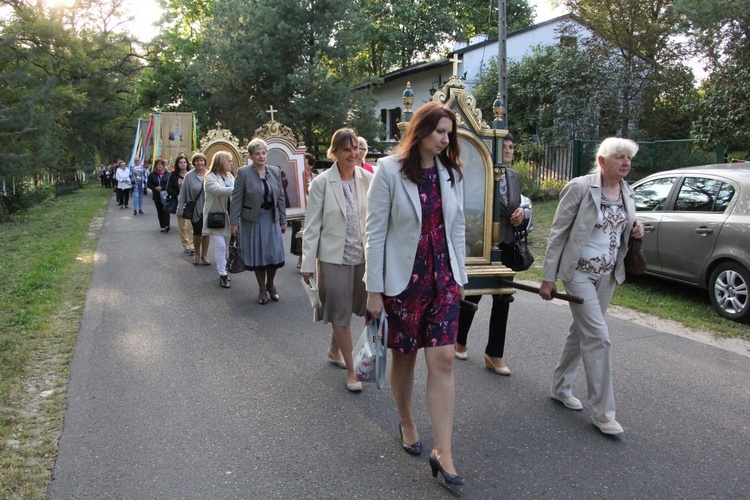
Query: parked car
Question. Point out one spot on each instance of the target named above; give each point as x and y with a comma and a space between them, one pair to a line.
697, 223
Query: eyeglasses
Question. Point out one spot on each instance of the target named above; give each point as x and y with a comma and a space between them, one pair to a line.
363, 149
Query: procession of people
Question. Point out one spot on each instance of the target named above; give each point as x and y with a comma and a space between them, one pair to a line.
392, 239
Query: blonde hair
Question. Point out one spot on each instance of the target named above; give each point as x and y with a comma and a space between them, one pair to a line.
218, 161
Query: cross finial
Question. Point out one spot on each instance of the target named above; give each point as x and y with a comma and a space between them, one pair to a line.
456, 61
271, 111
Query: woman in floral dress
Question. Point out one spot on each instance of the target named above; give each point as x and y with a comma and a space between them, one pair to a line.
416, 270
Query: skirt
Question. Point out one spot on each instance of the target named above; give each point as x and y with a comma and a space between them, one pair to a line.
342, 293
261, 242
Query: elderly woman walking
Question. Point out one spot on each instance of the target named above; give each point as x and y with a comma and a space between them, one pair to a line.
586, 248
258, 218
190, 206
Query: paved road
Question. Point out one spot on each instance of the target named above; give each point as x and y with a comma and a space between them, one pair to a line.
181, 389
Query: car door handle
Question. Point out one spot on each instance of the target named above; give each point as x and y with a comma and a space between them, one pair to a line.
647, 228
704, 231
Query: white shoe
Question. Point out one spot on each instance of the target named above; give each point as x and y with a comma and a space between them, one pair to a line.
461, 355
611, 428
571, 402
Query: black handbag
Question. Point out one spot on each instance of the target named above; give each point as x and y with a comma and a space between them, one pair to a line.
216, 220
170, 205
635, 259
234, 260
522, 256
188, 210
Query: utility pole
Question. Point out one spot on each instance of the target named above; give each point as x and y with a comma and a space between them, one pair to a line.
502, 58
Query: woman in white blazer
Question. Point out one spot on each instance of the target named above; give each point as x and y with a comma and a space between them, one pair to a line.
416, 270
586, 248
335, 239
218, 186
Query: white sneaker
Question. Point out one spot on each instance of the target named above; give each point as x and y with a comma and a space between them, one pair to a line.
611, 428
571, 402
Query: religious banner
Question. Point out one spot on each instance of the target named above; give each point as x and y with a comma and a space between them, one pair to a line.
176, 135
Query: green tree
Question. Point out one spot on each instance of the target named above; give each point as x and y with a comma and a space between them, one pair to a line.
288, 54
557, 94
720, 33
640, 32
398, 34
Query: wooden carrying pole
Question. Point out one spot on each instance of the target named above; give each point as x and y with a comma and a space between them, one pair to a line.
533, 289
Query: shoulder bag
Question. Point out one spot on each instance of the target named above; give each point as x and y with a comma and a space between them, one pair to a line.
216, 220
371, 352
188, 211
170, 205
635, 259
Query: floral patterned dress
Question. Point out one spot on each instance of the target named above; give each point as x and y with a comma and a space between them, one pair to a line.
425, 314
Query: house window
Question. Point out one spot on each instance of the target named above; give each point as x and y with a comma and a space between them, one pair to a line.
390, 119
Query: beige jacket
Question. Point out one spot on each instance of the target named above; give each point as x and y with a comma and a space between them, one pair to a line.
575, 218
394, 224
325, 220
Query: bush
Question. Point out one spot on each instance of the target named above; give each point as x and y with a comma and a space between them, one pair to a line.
27, 194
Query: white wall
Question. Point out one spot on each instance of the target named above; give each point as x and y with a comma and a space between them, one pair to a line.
518, 45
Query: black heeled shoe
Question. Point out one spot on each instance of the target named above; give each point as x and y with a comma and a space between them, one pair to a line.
412, 449
452, 479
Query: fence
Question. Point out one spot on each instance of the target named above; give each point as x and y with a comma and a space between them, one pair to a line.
565, 162
652, 157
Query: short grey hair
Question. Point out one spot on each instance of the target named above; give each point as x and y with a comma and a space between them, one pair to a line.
256, 143
613, 145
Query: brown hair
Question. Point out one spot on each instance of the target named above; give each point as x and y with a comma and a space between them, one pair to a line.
341, 137
160, 160
175, 168
422, 124
201, 156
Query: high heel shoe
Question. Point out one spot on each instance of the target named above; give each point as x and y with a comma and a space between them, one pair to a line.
452, 479
412, 449
500, 370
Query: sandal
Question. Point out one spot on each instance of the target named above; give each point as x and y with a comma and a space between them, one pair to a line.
205, 262
196, 262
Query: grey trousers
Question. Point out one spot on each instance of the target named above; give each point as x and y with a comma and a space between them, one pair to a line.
588, 340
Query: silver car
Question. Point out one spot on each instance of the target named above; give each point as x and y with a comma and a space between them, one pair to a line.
697, 223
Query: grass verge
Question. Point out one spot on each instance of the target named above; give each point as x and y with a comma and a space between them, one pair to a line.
687, 305
48, 255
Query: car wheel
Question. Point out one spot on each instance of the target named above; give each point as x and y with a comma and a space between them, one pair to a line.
729, 291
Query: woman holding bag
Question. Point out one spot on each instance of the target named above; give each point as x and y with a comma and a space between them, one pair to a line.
218, 186
157, 182
259, 210
334, 238
176, 178
416, 271
192, 199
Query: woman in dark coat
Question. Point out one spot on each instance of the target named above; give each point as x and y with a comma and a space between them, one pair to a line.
157, 182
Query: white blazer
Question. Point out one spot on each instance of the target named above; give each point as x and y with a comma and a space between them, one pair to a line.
394, 224
324, 236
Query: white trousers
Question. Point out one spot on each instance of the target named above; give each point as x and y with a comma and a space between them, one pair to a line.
221, 251
588, 340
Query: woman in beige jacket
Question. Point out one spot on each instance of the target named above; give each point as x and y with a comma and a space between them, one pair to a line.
335, 239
